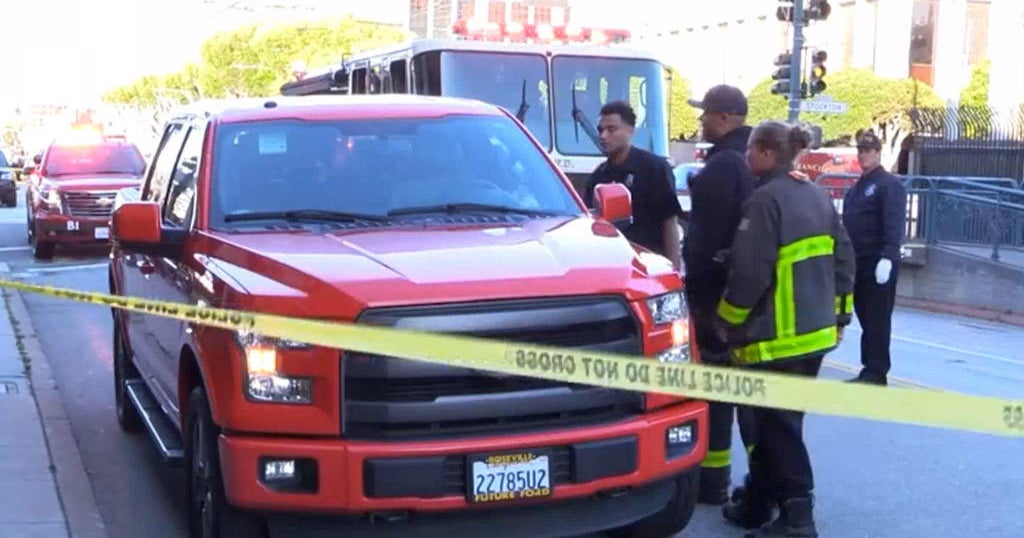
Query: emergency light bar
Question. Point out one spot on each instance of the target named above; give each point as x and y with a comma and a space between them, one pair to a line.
536, 33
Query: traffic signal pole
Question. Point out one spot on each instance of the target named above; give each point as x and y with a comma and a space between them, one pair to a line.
795, 78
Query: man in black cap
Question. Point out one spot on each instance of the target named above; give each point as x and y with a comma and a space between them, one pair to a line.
647, 176
875, 214
717, 194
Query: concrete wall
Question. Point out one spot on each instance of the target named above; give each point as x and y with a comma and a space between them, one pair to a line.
954, 281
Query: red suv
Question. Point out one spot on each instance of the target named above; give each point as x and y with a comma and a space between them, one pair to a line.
71, 191
421, 213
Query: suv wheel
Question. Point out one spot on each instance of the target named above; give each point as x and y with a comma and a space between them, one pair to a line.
127, 415
669, 520
209, 514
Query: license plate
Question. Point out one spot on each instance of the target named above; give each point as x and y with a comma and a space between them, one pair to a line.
509, 476
102, 233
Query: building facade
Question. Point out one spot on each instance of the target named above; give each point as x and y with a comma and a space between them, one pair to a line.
935, 41
434, 18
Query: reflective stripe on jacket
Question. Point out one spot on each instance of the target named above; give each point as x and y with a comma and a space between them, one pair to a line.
791, 274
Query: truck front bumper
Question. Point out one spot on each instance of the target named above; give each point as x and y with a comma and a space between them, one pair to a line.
382, 478
59, 228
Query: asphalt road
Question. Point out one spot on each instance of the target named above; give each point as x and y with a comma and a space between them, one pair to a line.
873, 479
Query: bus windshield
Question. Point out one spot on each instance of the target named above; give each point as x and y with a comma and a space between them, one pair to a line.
499, 78
597, 81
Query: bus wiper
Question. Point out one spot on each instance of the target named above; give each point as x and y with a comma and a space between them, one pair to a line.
304, 214
468, 206
523, 107
580, 118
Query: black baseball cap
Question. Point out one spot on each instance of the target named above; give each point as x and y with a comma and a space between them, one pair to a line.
722, 99
869, 140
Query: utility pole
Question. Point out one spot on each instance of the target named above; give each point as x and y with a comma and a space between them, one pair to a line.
795, 78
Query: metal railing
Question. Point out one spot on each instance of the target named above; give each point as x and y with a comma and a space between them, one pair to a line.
954, 210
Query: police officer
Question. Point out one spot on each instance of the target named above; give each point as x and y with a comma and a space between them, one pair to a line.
717, 193
786, 300
647, 176
875, 213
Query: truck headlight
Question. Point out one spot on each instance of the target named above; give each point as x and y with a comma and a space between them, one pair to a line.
50, 199
263, 381
668, 307
6, 175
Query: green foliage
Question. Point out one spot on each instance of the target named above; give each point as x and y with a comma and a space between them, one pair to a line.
256, 60
976, 92
682, 119
874, 102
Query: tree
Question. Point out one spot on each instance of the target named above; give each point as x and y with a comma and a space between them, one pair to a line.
682, 119
976, 92
874, 102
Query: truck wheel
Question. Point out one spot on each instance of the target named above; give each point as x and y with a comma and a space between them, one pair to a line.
42, 250
209, 514
673, 518
127, 415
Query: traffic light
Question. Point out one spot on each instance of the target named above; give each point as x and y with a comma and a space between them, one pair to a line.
782, 74
817, 10
818, 72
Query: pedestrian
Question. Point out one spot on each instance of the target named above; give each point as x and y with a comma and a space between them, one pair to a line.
785, 305
717, 193
875, 215
648, 177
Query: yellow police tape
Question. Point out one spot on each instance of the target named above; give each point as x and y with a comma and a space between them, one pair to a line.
747, 386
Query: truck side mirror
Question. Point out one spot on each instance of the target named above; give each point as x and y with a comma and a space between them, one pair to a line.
614, 204
137, 227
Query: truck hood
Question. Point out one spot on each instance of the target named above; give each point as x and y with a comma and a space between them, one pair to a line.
91, 182
436, 264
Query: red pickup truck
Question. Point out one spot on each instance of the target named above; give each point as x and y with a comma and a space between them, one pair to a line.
422, 213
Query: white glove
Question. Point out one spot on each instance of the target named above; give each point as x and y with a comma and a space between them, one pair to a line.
882, 270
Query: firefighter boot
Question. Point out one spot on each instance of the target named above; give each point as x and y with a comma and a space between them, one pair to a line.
714, 485
750, 507
795, 520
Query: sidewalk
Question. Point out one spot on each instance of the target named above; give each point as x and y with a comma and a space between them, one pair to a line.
44, 489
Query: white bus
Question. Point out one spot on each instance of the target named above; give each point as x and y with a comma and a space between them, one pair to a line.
556, 89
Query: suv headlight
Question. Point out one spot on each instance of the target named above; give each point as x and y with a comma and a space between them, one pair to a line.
263, 382
6, 175
668, 307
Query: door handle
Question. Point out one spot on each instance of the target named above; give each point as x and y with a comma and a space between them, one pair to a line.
145, 267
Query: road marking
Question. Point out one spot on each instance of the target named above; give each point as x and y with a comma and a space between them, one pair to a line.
64, 268
954, 349
899, 381
11, 249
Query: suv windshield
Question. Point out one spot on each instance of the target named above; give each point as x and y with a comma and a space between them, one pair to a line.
507, 80
98, 159
381, 167
597, 81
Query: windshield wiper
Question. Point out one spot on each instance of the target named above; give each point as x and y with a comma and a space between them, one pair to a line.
304, 214
580, 118
469, 207
523, 107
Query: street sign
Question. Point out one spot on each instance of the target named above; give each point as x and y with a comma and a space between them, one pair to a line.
824, 106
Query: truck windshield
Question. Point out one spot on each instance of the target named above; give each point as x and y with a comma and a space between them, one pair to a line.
98, 159
377, 167
500, 78
597, 81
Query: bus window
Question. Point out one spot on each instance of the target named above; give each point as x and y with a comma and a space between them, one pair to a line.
598, 81
502, 79
427, 73
399, 83
357, 81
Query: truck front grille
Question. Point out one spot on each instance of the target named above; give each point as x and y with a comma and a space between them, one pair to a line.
93, 204
392, 398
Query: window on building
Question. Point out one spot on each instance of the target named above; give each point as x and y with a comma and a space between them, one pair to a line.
496, 11
922, 40
541, 15
465, 11
520, 13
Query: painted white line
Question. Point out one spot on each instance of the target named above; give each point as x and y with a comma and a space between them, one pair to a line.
954, 349
64, 268
11, 249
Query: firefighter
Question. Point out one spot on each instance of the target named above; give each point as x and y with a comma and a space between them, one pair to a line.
785, 305
875, 213
717, 193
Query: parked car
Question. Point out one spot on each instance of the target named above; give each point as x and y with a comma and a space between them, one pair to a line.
398, 211
70, 193
8, 185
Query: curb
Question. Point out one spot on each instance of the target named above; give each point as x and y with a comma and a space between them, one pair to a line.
73, 487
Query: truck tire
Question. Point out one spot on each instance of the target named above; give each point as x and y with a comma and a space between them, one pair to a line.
673, 518
127, 415
209, 514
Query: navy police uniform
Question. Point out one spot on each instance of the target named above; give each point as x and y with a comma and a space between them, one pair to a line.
874, 214
652, 189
